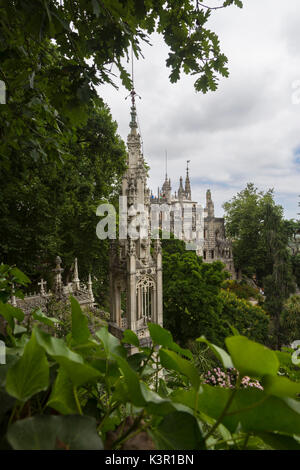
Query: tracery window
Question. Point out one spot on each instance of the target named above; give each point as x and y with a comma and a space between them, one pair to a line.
145, 298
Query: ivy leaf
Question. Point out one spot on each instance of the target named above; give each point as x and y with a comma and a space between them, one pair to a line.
251, 410
110, 343
9, 312
163, 337
280, 386
62, 396
130, 337
178, 430
222, 355
77, 370
171, 360
135, 395
54, 432
42, 318
251, 358
80, 330
30, 374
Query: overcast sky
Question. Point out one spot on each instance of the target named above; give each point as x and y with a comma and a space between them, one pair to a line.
247, 131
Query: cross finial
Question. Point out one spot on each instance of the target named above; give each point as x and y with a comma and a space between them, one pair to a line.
43, 284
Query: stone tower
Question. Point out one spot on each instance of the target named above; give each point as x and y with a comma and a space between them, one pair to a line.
135, 270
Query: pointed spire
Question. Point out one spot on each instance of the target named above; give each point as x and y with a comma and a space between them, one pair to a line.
188, 191
209, 204
13, 297
180, 190
90, 289
76, 281
133, 122
58, 279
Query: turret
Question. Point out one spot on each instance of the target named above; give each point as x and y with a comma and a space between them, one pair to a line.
209, 205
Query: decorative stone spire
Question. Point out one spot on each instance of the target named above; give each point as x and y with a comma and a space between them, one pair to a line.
181, 191
76, 281
13, 297
58, 270
188, 192
209, 204
133, 122
90, 289
166, 188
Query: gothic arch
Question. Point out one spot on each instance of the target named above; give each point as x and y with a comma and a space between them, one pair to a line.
145, 298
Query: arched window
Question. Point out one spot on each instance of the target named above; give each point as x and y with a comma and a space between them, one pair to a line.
145, 298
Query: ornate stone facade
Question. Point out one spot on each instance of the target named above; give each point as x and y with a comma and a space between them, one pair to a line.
82, 292
212, 243
135, 270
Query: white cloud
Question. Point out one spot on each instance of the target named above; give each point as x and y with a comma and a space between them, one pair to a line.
246, 131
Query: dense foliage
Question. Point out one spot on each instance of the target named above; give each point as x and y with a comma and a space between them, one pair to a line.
260, 247
48, 210
54, 54
195, 303
290, 320
85, 392
250, 320
192, 305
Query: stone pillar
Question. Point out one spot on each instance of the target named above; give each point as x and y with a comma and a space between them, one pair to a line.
131, 286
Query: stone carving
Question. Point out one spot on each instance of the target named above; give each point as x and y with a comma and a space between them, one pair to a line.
143, 294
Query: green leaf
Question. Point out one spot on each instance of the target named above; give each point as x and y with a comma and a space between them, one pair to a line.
132, 383
6, 402
279, 441
110, 343
42, 318
280, 386
178, 430
130, 337
62, 396
54, 432
251, 410
163, 337
9, 313
161, 406
19, 276
251, 358
30, 374
159, 335
71, 362
80, 330
171, 360
222, 355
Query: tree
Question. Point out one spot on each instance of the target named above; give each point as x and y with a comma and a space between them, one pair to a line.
260, 246
293, 230
192, 306
279, 284
290, 320
245, 217
250, 320
48, 210
55, 53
